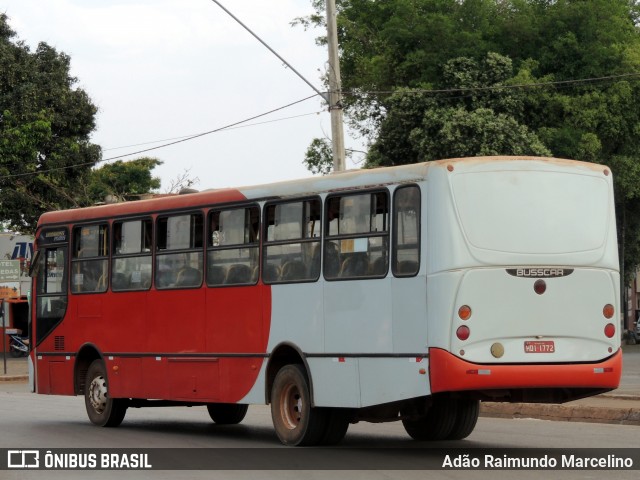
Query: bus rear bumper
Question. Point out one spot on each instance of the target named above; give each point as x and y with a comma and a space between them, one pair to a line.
449, 373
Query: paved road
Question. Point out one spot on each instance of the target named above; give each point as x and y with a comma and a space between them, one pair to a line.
36, 421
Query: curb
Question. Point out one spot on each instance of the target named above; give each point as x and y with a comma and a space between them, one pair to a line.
575, 413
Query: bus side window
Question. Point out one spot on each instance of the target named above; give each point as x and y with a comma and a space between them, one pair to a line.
179, 251
357, 236
131, 263
292, 241
406, 231
90, 259
232, 246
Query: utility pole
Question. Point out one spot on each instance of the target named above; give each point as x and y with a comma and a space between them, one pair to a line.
335, 90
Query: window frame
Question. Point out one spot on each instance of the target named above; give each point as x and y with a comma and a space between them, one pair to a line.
236, 246
77, 261
385, 234
141, 254
290, 241
157, 253
394, 227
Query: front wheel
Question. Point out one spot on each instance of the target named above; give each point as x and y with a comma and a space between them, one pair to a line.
296, 422
102, 410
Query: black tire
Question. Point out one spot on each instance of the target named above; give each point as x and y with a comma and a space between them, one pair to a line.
466, 419
436, 424
227, 413
336, 426
295, 421
102, 410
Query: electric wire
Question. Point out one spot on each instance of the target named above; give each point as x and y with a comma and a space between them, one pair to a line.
164, 145
466, 90
559, 83
230, 128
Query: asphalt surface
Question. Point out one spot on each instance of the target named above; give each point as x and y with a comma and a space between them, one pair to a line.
621, 406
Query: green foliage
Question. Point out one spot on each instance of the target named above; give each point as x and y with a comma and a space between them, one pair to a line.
46, 157
319, 157
123, 180
421, 126
45, 125
390, 49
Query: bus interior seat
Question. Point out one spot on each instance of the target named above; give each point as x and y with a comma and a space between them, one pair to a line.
188, 277
355, 266
270, 273
119, 281
293, 270
216, 275
379, 267
238, 273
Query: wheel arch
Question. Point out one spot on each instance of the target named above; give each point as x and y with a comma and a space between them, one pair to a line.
87, 353
286, 353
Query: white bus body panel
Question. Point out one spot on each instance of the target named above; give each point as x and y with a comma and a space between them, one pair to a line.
486, 217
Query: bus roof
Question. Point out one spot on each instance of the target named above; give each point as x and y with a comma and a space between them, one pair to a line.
363, 178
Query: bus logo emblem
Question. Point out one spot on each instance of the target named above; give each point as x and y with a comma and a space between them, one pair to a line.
539, 272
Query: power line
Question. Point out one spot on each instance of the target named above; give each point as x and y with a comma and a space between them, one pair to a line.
230, 128
323, 95
192, 137
176, 140
496, 87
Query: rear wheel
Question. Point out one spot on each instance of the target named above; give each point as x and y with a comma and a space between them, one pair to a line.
227, 413
466, 419
436, 424
336, 426
102, 410
295, 421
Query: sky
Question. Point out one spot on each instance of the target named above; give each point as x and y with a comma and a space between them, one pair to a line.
163, 69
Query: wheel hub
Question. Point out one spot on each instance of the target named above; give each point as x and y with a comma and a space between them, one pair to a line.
291, 407
98, 394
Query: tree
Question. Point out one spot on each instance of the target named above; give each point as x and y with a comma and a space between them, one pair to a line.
401, 60
122, 180
421, 127
45, 123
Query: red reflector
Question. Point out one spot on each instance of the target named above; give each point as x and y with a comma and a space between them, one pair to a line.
610, 330
608, 311
463, 332
464, 312
472, 372
540, 287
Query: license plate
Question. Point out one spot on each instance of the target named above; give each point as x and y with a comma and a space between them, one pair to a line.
540, 347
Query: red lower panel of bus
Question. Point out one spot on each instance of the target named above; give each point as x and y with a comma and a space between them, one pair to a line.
449, 373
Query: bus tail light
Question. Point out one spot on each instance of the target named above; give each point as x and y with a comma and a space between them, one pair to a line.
608, 311
464, 312
610, 330
463, 332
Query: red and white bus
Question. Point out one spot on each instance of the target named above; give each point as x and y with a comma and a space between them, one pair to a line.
408, 293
